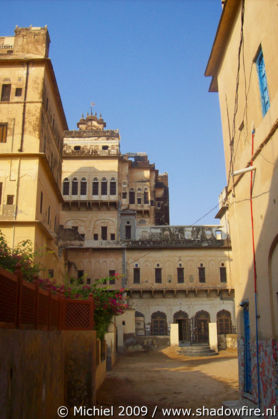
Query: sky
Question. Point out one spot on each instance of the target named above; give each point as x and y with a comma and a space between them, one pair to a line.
142, 63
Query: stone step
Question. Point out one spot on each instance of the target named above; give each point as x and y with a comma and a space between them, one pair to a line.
197, 350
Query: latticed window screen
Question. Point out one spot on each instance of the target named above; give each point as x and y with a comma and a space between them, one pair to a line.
136, 275
95, 187
158, 275
180, 272
83, 187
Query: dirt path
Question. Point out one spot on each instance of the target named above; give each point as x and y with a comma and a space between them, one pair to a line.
167, 379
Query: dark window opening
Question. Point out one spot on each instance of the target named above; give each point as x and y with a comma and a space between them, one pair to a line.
18, 91
82, 236
158, 275
202, 274
104, 187
128, 232
88, 281
3, 133
83, 187
131, 197
6, 92
95, 188
77, 147
74, 187
95, 236
112, 236
139, 200
10, 199
41, 203
66, 187
146, 198
180, 275
105, 147
48, 215
112, 277
80, 275
136, 275
223, 274
112, 188
124, 195
103, 233
50, 273
1, 189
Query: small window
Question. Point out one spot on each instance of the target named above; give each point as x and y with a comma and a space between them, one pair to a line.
95, 236
104, 233
139, 200
83, 186
223, 274
48, 215
104, 186
80, 275
158, 275
10, 199
50, 273
136, 275
124, 195
41, 202
202, 273
113, 187
112, 277
105, 147
95, 186
6, 92
146, 197
77, 148
82, 235
3, 133
128, 232
74, 186
180, 272
1, 190
262, 81
88, 281
112, 236
66, 187
131, 196
18, 91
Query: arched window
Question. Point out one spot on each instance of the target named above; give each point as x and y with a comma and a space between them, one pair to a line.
95, 186
66, 186
146, 196
202, 320
83, 186
139, 197
132, 196
159, 324
224, 322
113, 186
103, 186
74, 186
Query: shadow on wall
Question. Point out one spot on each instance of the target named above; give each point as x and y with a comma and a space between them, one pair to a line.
265, 317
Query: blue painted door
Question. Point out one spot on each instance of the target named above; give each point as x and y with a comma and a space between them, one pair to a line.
247, 353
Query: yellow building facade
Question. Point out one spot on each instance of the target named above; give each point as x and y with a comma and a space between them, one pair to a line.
243, 65
32, 123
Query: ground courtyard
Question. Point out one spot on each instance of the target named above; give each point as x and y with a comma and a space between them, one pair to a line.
167, 379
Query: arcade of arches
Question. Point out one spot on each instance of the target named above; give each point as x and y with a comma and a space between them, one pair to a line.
193, 329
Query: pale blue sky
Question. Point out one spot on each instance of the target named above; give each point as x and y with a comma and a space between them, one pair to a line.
142, 63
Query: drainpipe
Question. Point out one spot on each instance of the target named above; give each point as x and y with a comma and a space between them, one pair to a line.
24, 107
255, 271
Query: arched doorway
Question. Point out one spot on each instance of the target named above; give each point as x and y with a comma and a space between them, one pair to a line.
202, 319
139, 324
159, 324
181, 318
224, 322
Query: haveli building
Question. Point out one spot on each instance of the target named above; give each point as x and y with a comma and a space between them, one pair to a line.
243, 65
99, 212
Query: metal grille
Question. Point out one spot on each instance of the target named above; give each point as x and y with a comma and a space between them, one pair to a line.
8, 299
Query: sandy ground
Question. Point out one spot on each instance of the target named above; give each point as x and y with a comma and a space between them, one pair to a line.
167, 379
